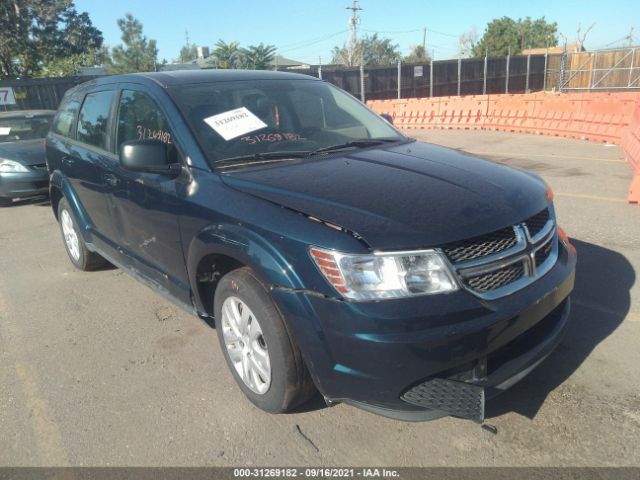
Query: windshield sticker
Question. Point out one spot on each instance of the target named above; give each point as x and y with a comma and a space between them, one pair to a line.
234, 123
5, 130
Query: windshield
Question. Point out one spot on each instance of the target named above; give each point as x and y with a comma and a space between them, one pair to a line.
258, 119
28, 127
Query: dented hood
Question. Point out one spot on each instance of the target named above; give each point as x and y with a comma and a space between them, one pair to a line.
407, 196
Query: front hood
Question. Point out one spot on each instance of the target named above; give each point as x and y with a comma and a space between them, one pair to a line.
27, 152
406, 196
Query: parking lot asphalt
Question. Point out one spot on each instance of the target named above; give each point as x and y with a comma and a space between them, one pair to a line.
97, 370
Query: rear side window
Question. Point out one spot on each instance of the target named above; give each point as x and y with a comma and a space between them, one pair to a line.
139, 118
93, 119
65, 118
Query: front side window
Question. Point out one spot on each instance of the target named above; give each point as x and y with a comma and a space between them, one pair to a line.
65, 118
254, 119
140, 118
93, 119
25, 127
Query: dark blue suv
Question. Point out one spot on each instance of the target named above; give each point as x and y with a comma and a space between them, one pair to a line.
332, 252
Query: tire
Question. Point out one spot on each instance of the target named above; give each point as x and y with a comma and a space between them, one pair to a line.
290, 384
5, 202
81, 257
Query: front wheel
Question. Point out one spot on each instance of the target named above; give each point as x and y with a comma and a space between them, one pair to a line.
256, 345
81, 257
5, 202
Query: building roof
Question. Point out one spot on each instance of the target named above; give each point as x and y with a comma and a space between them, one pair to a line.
573, 47
172, 67
281, 61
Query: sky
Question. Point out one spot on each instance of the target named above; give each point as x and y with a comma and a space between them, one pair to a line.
306, 30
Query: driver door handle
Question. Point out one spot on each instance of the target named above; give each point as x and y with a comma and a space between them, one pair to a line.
67, 160
111, 180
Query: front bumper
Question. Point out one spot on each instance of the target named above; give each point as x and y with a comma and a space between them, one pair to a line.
373, 354
24, 184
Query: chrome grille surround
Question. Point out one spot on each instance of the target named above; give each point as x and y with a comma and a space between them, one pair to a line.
507, 271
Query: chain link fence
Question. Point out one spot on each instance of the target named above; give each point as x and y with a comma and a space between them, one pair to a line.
469, 76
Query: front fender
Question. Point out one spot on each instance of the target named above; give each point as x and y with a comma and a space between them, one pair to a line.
245, 246
59, 181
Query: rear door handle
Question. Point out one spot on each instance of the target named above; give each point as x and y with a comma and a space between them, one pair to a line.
111, 179
67, 160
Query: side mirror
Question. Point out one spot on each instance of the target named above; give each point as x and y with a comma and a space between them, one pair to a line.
150, 156
387, 117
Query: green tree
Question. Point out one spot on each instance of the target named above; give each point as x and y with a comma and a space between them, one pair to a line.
137, 54
506, 34
257, 57
36, 32
70, 65
370, 50
418, 55
227, 55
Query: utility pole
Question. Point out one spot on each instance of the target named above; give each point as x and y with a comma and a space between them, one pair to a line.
424, 40
354, 20
186, 43
631, 37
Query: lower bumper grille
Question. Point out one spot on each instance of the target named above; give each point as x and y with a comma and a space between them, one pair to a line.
459, 399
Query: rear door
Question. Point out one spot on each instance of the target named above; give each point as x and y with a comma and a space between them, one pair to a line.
88, 163
146, 205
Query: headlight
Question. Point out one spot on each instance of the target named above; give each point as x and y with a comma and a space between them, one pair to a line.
384, 275
9, 166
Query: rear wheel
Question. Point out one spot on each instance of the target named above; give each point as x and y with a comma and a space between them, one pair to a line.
256, 345
81, 257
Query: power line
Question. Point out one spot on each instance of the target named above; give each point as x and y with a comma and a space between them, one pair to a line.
442, 33
622, 39
311, 42
318, 39
411, 31
397, 32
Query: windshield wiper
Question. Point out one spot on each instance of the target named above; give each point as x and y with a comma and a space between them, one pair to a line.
363, 143
280, 155
293, 154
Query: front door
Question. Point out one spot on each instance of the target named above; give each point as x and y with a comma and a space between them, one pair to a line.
146, 205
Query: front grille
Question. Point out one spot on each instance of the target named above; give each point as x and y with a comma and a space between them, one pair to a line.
494, 242
536, 223
481, 246
512, 245
496, 278
543, 253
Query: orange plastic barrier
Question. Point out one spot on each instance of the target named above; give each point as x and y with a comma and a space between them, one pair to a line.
508, 112
631, 148
599, 117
